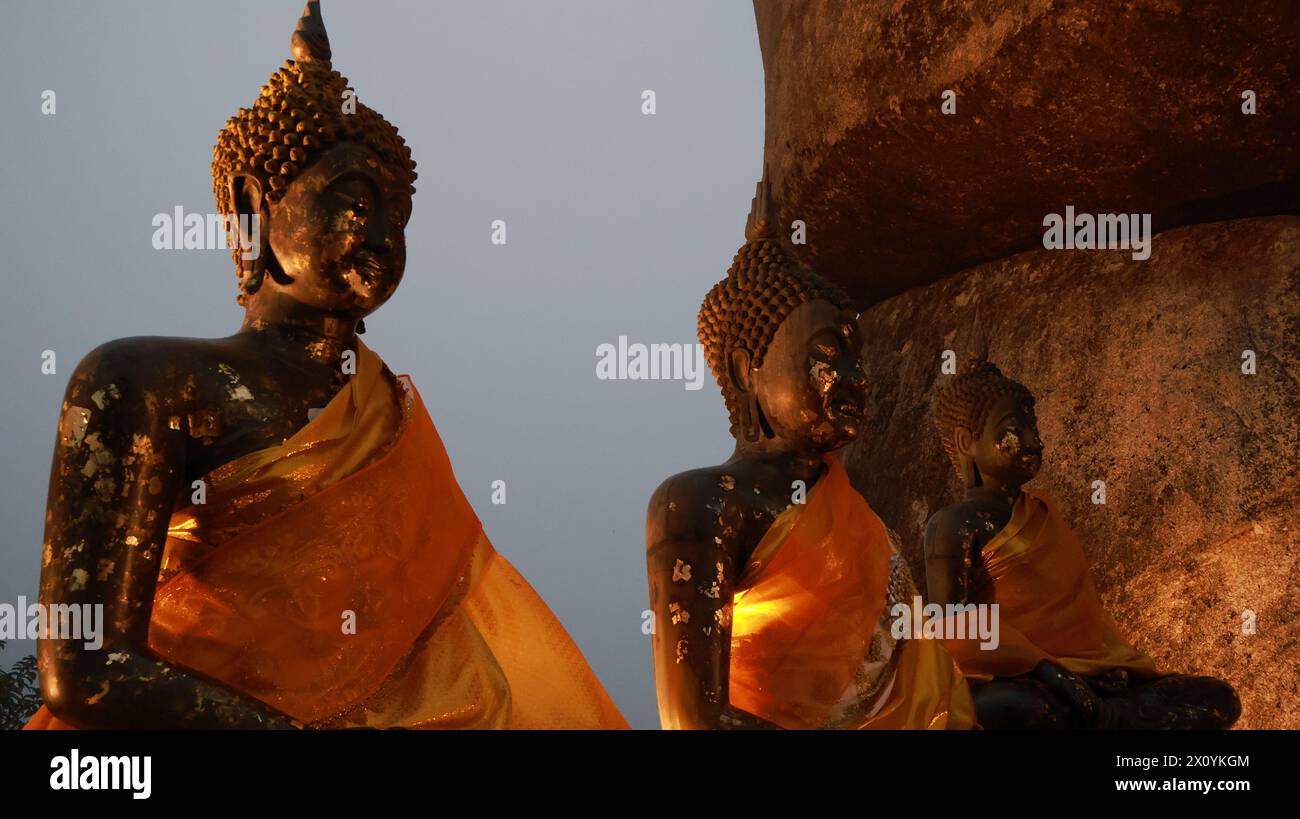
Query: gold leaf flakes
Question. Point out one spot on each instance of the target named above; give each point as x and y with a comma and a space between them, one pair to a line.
681, 572
723, 616
72, 426
103, 690
680, 615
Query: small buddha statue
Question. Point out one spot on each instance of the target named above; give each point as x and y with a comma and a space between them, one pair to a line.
1060, 661
270, 520
772, 581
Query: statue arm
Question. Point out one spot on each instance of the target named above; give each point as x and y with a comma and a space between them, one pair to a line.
947, 547
118, 469
692, 580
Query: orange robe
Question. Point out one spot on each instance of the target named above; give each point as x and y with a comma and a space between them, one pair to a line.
343, 579
1036, 572
811, 643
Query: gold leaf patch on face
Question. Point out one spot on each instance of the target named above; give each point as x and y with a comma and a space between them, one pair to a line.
1010, 443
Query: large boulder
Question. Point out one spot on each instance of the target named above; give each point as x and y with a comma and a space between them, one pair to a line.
1137, 367
1132, 107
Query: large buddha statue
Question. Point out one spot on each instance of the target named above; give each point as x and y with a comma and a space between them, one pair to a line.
772, 581
1060, 661
270, 520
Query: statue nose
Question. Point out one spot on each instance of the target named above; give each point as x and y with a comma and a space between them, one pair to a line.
1032, 442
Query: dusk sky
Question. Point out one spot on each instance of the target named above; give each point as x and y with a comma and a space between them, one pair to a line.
618, 223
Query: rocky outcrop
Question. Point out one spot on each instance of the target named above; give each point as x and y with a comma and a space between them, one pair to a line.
1113, 107
1137, 367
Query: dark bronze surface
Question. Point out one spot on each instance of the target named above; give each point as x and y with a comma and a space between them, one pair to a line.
145, 417
804, 401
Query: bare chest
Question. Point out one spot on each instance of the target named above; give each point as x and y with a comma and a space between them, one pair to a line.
232, 409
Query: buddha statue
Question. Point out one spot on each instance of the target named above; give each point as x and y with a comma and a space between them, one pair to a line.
771, 579
1060, 661
270, 520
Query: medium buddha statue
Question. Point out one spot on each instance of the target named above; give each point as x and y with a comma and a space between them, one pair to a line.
270, 520
772, 581
1060, 661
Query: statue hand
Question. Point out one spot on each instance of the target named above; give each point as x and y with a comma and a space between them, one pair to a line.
1111, 683
1072, 690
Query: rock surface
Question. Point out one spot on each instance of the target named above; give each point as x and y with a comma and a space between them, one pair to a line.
1137, 367
1113, 107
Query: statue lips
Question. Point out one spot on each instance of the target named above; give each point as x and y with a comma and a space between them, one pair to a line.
369, 268
1030, 461
374, 274
852, 409
846, 403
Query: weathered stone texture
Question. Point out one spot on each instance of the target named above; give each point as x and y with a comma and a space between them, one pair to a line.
1137, 366
1113, 107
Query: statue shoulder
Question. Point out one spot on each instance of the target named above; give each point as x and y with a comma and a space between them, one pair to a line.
142, 373
690, 507
946, 527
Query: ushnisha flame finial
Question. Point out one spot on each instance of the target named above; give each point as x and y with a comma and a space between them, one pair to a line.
309, 41
979, 341
758, 225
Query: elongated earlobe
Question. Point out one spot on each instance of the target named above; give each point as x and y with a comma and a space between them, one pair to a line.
751, 418
742, 384
246, 193
964, 443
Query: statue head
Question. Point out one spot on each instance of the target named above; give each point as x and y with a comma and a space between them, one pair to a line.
328, 179
988, 428
784, 346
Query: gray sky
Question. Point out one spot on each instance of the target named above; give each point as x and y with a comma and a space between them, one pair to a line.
618, 223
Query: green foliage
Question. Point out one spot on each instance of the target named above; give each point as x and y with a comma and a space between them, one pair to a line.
20, 695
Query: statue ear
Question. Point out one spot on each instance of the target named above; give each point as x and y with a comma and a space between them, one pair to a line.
247, 194
252, 212
963, 441
742, 379
738, 367
964, 444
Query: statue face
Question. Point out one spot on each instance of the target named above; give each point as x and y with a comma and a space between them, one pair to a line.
1008, 449
811, 386
339, 232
